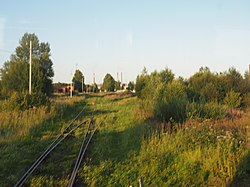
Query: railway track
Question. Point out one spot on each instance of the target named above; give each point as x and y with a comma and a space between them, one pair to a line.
67, 131
82, 151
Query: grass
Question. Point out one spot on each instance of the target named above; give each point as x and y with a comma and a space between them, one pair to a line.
208, 153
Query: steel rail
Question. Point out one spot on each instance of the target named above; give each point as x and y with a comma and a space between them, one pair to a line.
79, 157
44, 155
81, 154
48, 148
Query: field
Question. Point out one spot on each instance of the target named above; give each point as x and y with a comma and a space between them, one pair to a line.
126, 147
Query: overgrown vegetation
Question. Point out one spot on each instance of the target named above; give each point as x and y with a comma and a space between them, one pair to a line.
176, 132
204, 95
24, 101
206, 153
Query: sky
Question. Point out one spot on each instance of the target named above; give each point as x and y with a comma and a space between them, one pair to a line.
126, 35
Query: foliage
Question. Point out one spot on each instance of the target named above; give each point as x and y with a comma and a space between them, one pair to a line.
205, 85
78, 81
24, 101
233, 99
14, 73
118, 85
234, 81
141, 81
166, 76
24, 135
204, 92
108, 83
199, 154
171, 101
209, 110
247, 81
246, 99
161, 96
131, 86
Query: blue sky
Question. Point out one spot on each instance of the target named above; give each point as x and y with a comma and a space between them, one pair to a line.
124, 36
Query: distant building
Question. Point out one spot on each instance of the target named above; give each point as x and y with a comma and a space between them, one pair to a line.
63, 88
68, 89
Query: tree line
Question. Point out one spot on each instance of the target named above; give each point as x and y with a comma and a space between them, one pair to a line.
205, 94
109, 84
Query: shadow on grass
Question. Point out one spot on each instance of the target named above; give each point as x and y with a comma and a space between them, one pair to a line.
242, 177
97, 112
18, 155
63, 117
116, 146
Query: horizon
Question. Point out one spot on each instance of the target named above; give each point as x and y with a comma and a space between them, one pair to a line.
110, 37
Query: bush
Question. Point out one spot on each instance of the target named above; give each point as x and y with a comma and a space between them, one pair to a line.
171, 101
210, 110
214, 110
233, 99
24, 101
246, 99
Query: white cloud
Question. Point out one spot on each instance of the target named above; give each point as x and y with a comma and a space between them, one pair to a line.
2, 29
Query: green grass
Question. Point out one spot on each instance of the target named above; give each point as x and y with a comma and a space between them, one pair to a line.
210, 153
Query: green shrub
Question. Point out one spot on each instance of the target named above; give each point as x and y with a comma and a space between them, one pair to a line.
233, 99
246, 99
210, 110
214, 110
171, 101
24, 101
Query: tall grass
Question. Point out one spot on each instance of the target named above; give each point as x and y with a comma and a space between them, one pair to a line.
25, 134
200, 153
195, 156
18, 123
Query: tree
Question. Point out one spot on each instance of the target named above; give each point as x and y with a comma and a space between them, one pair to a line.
205, 86
131, 86
108, 83
15, 72
118, 85
166, 76
95, 88
171, 101
234, 80
78, 80
247, 81
141, 82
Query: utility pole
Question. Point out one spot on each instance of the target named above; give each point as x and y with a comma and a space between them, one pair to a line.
121, 77
121, 80
140, 181
30, 67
